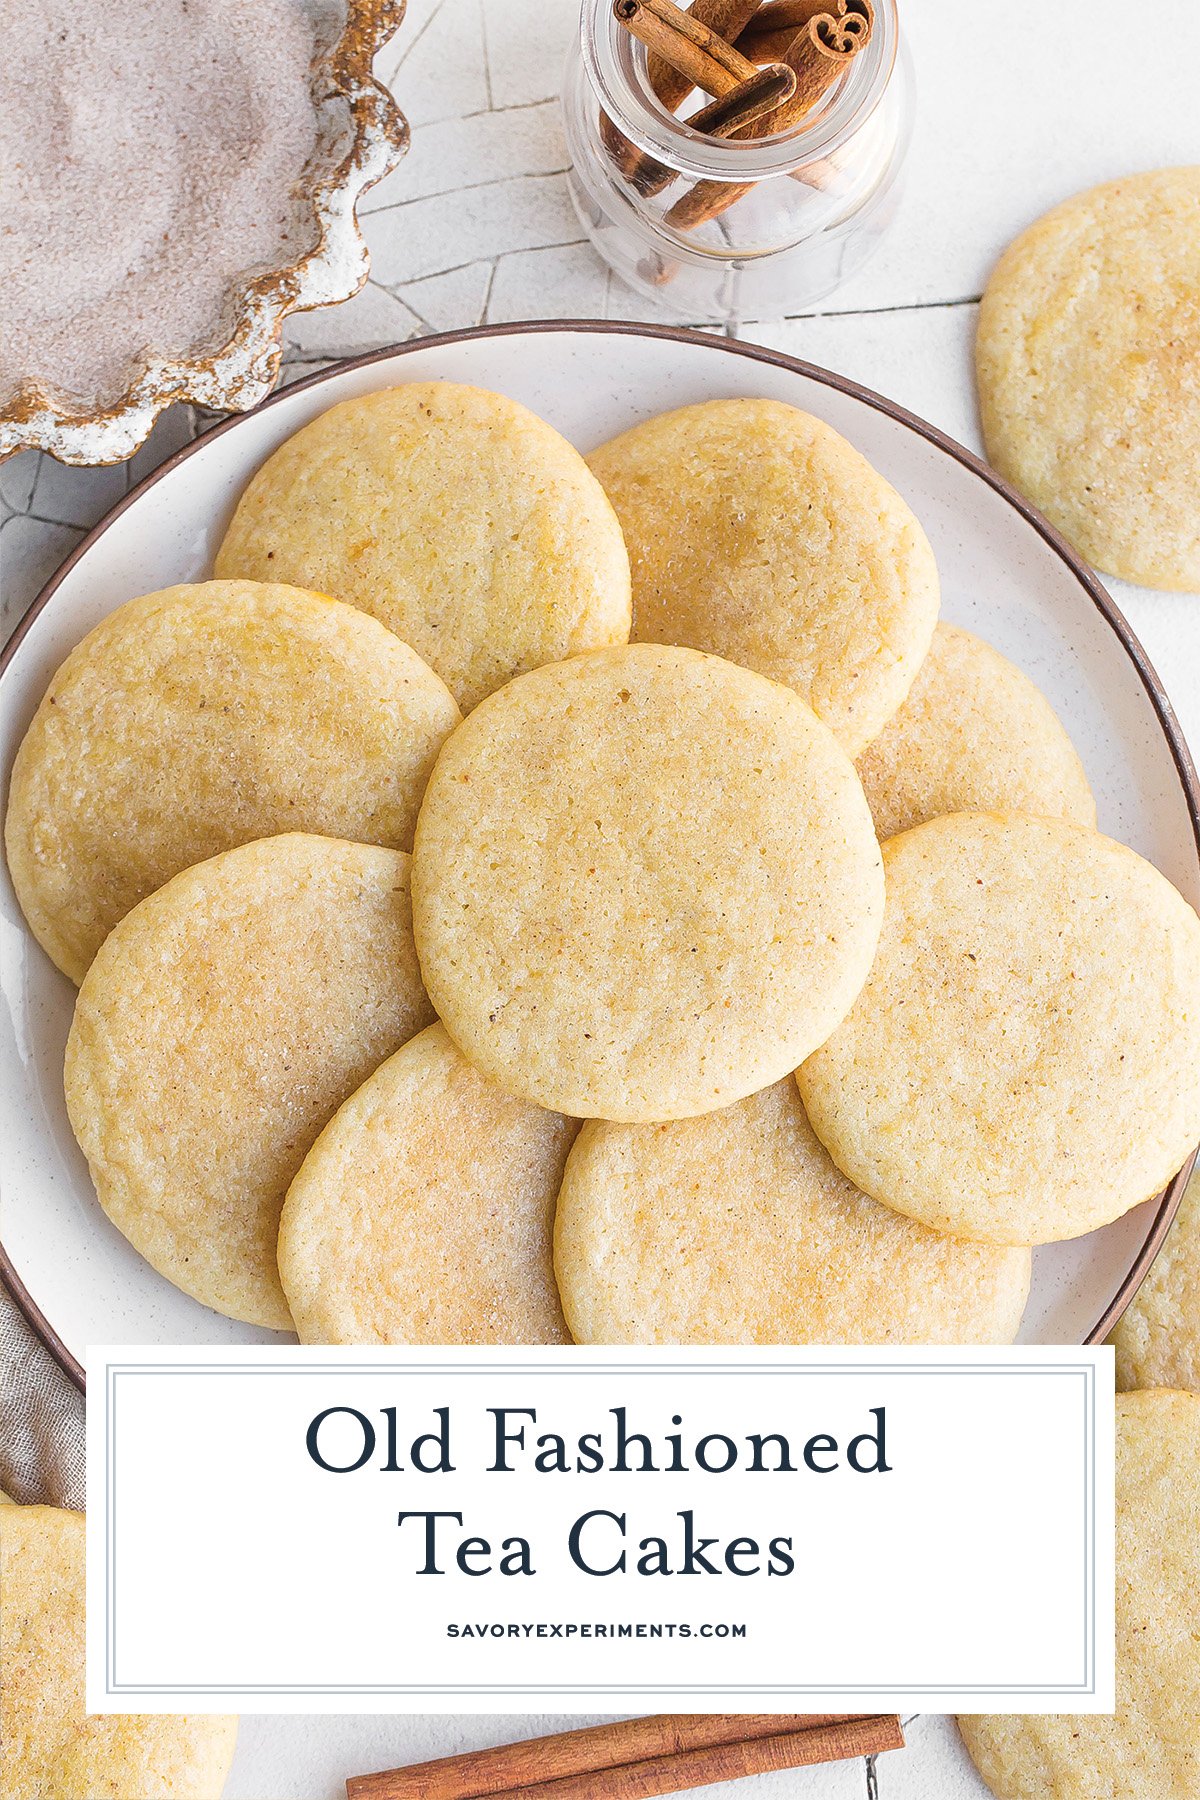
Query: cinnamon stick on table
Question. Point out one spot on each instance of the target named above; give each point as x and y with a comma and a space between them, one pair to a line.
636, 1759
818, 54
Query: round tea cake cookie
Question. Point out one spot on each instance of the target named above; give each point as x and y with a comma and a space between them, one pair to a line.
463, 522
757, 533
1023, 1063
424, 1212
973, 735
221, 1025
1150, 1748
737, 1229
1158, 1339
645, 884
53, 1748
1089, 339
201, 717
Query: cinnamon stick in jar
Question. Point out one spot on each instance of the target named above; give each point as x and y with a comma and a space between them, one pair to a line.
768, 88
818, 54
764, 91
771, 28
694, 53
725, 19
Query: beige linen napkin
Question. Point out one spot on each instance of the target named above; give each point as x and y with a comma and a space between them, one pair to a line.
41, 1419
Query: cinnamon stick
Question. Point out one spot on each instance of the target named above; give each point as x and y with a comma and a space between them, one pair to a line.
691, 52
768, 88
771, 28
692, 49
726, 19
765, 90
818, 54
635, 1759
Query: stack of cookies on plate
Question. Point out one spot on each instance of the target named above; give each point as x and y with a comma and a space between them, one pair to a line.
354, 966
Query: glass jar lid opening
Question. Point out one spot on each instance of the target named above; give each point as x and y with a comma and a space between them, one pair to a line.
617, 69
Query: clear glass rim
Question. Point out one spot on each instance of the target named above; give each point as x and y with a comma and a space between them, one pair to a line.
616, 68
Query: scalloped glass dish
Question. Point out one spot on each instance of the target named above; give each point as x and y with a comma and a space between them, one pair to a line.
234, 358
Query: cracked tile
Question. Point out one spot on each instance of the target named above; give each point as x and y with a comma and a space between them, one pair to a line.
441, 75
451, 301
566, 282
73, 496
622, 302
418, 16
17, 477
526, 64
298, 368
176, 428
30, 551
428, 237
460, 153
367, 322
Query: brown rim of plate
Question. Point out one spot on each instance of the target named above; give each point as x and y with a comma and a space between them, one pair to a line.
1169, 1199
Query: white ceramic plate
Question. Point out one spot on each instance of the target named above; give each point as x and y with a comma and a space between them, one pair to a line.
1004, 573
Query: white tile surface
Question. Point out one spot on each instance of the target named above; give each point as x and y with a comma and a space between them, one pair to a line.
30, 551
475, 226
413, 238
448, 301
486, 148
375, 316
525, 64
439, 71
934, 1765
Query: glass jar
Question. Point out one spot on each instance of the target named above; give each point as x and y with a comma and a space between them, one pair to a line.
823, 192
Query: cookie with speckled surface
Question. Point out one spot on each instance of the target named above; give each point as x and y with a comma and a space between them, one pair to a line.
199, 718
1023, 1063
1150, 1748
221, 1025
53, 1749
462, 521
645, 884
424, 1212
1088, 360
737, 1229
758, 533
1158, 1339
973, 735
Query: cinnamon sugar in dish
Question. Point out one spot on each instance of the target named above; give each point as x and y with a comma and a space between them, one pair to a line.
150, 161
